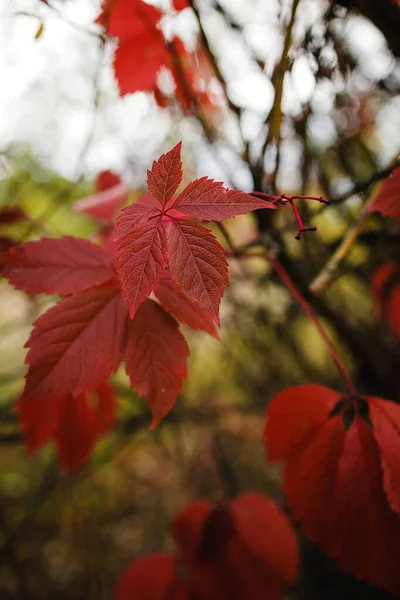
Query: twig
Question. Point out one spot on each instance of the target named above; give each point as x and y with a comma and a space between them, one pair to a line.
328, 274
274, 118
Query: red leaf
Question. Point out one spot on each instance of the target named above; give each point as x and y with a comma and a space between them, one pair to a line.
386, 294
245, 549
165, 175
75, 345
104, 204
148, 578
387, 201
106, 406
333, 484
106, 180
76, 433
197, 264
156, 358
180, 4
294, 413
58, 266
385, 417
73, 422
127, 18
267, 535
134, 216
182, 309
138, 60
208, 200
187, 528
39, 419
142, 257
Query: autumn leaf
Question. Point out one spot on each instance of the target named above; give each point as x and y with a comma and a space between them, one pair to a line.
385, 288
387, 201
196, 260
137, 62
74, 423
385, 418
139, 580
182, 309
156, 358
333, 478
66, 265
126, 18
233, 551
207, 200
76, 344
142, 258
111, 194
165, 176
198, 265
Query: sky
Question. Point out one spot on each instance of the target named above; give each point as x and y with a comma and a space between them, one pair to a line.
48, 89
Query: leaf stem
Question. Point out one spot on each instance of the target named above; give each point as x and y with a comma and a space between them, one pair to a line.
286, 279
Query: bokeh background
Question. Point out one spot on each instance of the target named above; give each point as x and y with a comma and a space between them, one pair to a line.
305, 100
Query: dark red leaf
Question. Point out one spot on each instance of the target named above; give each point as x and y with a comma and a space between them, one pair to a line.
182, 309
156, 358
164, 177
267, 535
58, 266
73, 422
148, 578
294, 413
208, 200
245, 549
197, 264
386, 294
11, 214
187, 528
387, 201
76, 344
142, 257
385, 417
333, 484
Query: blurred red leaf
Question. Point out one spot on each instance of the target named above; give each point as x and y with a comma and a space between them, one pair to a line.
385, 417
242, 550
107, 201
127, 18
148, 578
137, 62
387, 201
333, 480
73, 422
156, 358
63, 265
385, 287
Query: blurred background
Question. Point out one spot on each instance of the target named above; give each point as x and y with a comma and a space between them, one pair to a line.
297, 97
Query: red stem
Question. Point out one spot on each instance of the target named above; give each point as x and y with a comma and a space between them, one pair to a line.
310, 313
